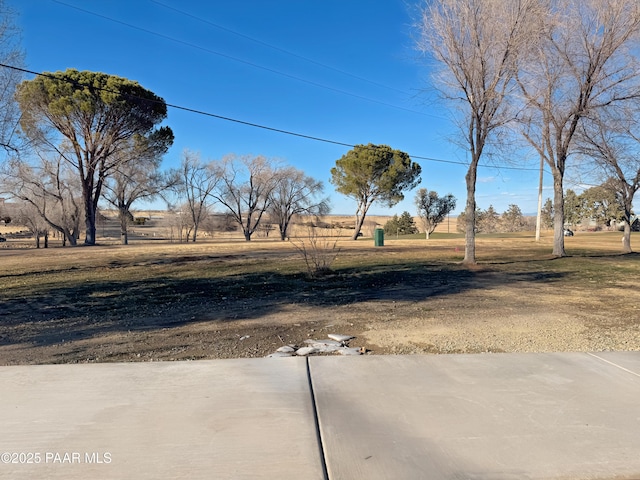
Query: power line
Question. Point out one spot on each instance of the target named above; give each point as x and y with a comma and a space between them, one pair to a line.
279, 49
251, 124
239, 60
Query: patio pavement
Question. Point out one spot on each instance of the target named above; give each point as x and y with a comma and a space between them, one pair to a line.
487, 416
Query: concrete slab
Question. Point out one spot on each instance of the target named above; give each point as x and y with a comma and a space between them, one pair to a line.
494, 416
227, 419
622, 360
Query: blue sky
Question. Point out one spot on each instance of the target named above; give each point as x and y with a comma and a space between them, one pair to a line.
345, 71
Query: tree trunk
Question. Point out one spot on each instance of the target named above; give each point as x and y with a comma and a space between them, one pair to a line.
359, 223
124, 233
71, 236
284, 226
626, 237
195, 234
558, 215
247, 236
470, 214
46, 239
37, 234
90, 223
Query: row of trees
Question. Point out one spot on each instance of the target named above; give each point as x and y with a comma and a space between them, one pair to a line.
247, 188
597, 207
562, 75
487, 221
77, 139
91, 137
96, 137
490, 221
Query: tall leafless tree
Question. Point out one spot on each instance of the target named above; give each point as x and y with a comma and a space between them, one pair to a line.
48, 187
295, 194
196, 183
614, 144
245, 189
11, 54
136, 177
582, 63
28, 215
477, 43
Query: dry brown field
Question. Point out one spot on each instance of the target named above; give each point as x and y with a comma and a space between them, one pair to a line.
223, 297
109, 233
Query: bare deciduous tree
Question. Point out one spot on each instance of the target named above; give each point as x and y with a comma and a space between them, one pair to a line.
177, 224
10, 54
28, 215
136, 177
245, 189
197, 182
48, 187
582, 64
295, 194
614, 144
477, 43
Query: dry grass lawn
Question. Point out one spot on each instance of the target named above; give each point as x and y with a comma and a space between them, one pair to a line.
229, 298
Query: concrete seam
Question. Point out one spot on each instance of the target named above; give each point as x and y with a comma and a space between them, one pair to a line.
614, 364
316, 419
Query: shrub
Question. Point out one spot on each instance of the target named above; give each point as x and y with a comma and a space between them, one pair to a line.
318, 250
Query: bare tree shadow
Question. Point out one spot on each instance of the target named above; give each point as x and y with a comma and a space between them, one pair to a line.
83, 310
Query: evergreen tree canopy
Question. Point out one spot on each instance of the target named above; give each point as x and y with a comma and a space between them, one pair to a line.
371, 173
96, 116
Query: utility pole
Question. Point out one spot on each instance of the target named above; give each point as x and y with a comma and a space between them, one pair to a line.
539, 219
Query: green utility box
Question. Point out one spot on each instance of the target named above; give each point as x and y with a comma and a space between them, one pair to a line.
378, 237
